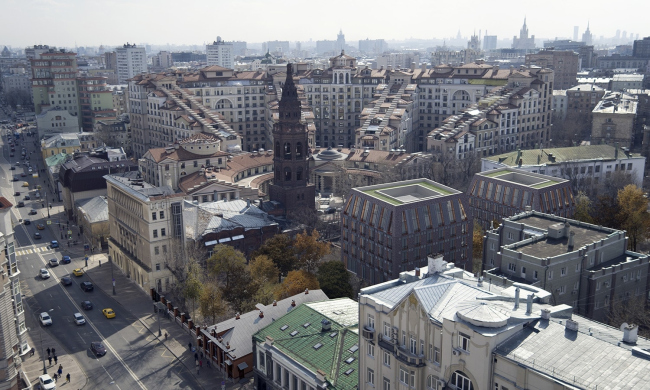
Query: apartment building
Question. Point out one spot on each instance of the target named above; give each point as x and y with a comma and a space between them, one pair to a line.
327, 355
220, 53
586, 167
434, 328
584, 266
130, 60
95, 101
162, 60
146, 229
502, 193
54, 81
560, 104
392, 227
390, 120
613, 120
563, 62
13, 331
583, 98
397, 60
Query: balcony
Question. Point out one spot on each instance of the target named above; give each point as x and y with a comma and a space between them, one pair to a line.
408, 358
368, 333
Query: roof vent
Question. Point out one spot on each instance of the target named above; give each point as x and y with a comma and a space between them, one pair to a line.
261, 314
326, 326
293, 303
572, 325
629, 333
306, 291
275, 303
237, 316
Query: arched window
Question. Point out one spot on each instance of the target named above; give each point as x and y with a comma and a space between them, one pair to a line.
277, 149
299, 174
287, 151
298, 150
461, 381
287, 174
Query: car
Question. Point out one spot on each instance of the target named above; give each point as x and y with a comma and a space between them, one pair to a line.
86, 305
53, 262
32, 212
330, 210
23, 174
54, 244
77, 272
45, 274
29, 170
12, 168
66, 260
79, 319
86, 286
37, 235
17, 193
11, 154
45, 319
15, 178
40, 226
108, 313
27, 197
27, 222
46, 382
66, 281
97, 348
21, 204
17, 163
25, 184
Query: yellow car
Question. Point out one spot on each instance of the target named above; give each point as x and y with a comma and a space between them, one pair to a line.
77, 272
40, 227
25, 184
109, 313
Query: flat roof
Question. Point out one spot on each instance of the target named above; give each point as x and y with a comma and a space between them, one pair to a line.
523, 178
408, 191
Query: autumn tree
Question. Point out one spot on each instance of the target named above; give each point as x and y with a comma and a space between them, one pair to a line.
310, 250
193, 283
606, 212
279, 249
263, 269
634, 216
477, 248
211, 305
226, 263
583, 208
295, 283
334, 279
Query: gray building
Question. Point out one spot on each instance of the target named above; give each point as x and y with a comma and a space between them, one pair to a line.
582, 265
393, 227
501, 193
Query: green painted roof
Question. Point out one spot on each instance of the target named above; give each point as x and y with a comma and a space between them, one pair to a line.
55, 160
337, 346
574, 153
424, 183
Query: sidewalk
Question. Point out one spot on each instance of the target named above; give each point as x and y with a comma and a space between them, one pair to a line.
139, 303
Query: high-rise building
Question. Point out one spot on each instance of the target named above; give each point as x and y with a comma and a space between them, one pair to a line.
641, 48
54, 81
290, 162
110, 60
523, 42
34, 52
586, 36
95, 101
131, 60
340, 41
13, 331
372, 46
489, 42
220, 53
162, 60
564, 63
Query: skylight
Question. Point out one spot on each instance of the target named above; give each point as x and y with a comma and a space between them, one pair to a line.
284, 327
350, 371
354, 348
350, 360
306, 325
332, 334
318, 346
295, 332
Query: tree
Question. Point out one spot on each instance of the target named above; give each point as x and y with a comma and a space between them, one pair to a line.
193, 283
17, 97
477, 248
334, 279
262, 269
279, 249
632, 311
295, 283
309, 250
606, 212
211, 305
634, 215
241, 291
226, 263
583, 208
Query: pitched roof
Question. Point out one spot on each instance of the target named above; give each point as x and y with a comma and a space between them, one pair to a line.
96, 209
180, 154
568, 154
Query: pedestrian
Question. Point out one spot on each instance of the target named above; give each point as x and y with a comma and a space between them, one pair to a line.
53, 351
201, 363
197, 370
59, 371
100, 263
32, 351
189, 345
207, 363
54, 377
49, 358
60, 367
55, 359
196, 357
166, 336
67, 378
48, 351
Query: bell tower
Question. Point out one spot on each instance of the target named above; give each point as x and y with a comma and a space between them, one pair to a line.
290, 160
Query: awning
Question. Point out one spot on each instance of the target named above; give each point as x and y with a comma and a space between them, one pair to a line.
210, 243
228, 362
242, 366
239, 237
224, 240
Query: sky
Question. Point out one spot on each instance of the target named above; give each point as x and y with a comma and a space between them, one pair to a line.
70, 23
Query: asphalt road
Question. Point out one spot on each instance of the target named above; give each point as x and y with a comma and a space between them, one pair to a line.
135, 359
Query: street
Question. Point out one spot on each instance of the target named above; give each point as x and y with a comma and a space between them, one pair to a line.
135, 358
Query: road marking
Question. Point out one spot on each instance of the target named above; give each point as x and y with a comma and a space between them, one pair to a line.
82, 339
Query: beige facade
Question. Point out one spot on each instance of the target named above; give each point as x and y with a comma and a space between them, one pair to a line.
563, 62
613, 119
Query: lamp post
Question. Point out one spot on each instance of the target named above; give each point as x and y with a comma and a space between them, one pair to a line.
159, 332
110, 262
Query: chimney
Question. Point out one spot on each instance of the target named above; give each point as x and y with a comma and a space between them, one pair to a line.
275, 303
248, 202
227, 344
417, 271
572, 325
306, 291
546, 314
529, 304
237, 316
321, 375
630, 333
261, 314
326, 326
293, 303
528, 208
571, 234
423, 67
412, 66
517, 298
616, 151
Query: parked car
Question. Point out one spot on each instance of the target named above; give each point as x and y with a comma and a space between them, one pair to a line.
37, 235
32, 211
27, 197
45, 274
86, 305
79, 319
17, 193
53, 262
66, 281
27, 222
45, 319
54, 244
21, 204
86, 286
97, 348
46, 382
12, 168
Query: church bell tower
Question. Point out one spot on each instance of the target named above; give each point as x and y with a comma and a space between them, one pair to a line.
290, 160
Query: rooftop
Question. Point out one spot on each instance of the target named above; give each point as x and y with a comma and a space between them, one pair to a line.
523, 178
133, 183
408, 191
616, 103
556, 156
95, 209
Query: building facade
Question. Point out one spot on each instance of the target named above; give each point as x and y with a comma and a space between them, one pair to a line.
54, 82
613, 120
220, 53
565, 65
130, 60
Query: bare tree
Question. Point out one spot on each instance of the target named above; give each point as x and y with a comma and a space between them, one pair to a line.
176, 259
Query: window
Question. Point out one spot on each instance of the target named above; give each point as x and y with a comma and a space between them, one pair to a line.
156, 250
535, 275
163, 232
512, 267
386, 331
371, 377
436, 355
157, 266
371, 350
550, 274
155, 233
461, 381
403, 376
463, 342
371, 321
386, 384
562, 289
153, 216
413, 346
563, 271
387, 359
164, 248
431, 382
162, 215
261, 360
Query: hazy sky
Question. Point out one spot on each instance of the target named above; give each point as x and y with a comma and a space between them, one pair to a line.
114, 22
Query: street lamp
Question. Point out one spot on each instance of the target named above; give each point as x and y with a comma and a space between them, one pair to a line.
110, 262
156, 306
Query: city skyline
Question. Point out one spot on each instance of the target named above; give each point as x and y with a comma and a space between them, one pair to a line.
151, 23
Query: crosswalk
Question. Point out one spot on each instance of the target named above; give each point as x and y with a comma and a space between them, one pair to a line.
29, 251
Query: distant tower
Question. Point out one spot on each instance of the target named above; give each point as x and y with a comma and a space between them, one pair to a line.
524, 42
586, 37
290, 162
474, 43
340, 41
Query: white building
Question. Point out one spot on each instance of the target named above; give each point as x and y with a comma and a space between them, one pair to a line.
131, 61
560, 103
162, 60
56, 120
624, 82
220, 53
